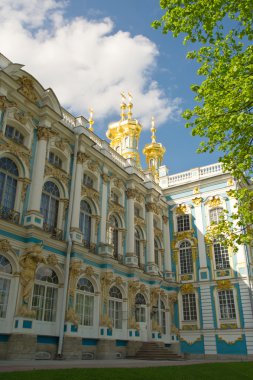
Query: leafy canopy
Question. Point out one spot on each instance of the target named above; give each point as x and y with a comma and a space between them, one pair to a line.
224, 115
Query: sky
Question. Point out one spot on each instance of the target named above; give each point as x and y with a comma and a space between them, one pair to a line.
89, 51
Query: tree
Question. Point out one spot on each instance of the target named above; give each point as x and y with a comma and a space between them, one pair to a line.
224, 116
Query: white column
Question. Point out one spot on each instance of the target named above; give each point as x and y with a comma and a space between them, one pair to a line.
151, 267
104, 207
38, 170
200, 232
166, 239
77, 194
130, 193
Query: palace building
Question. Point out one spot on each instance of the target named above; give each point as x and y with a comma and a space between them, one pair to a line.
97, 254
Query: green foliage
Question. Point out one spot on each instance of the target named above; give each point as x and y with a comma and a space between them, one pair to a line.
224, 114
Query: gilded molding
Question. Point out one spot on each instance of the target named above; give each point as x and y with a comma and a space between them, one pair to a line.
165, 219
181, 209
151, 207
89, 192
93, 165
158, 232
61, 144
45, 133
139, 197
130, 193
187, 288
29, 261
189, 327
118, 183
214, 202
105, 178
5, 103
197, 201
190, 342
231, 193
18, 150
115, 207
82, 157
51, 171
27, 88
72, 316
224, 284
25, 183
154, 293
172, 298
196, 190
5, 246
229, 341
227, 326
138, 221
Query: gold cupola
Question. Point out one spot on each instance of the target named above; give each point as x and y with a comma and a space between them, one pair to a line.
154, 152
125, 133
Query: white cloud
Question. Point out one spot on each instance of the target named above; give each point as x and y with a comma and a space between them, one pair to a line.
84, 61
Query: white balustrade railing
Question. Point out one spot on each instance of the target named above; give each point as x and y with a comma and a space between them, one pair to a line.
194, 174
68, 119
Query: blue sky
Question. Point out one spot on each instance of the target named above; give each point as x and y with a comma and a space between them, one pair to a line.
89, 51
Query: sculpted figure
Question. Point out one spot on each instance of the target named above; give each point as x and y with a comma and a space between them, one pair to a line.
28, 262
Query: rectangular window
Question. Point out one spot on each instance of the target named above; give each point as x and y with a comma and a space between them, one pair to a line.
189, 307
87, 181
44, 302
215, 215
55, 160
14, 134
227, 304
115, 313
4, 295
221, 256
183, 223
84, 309
186, 263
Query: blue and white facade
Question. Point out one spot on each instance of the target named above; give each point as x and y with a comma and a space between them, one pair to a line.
97, 255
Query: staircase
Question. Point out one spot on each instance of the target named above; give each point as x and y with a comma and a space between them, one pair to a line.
156, 351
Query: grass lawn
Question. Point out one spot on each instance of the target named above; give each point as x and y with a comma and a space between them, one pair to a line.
214, 371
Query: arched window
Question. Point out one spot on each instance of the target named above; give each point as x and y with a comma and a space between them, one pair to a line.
215, 215
8, 185
85, 302
14, 134
85, 222
186, 262
49, 205
44, 300
221, 256
140, 308
114, 235
5, 282
156, 252
115, 307
137, 243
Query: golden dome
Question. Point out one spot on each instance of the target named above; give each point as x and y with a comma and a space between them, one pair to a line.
154, 151
125, 133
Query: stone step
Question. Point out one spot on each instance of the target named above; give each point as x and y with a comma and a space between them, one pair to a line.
156, 351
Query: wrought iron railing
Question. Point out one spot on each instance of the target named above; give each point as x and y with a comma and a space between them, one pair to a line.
56, 233
9, 214
90, 246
